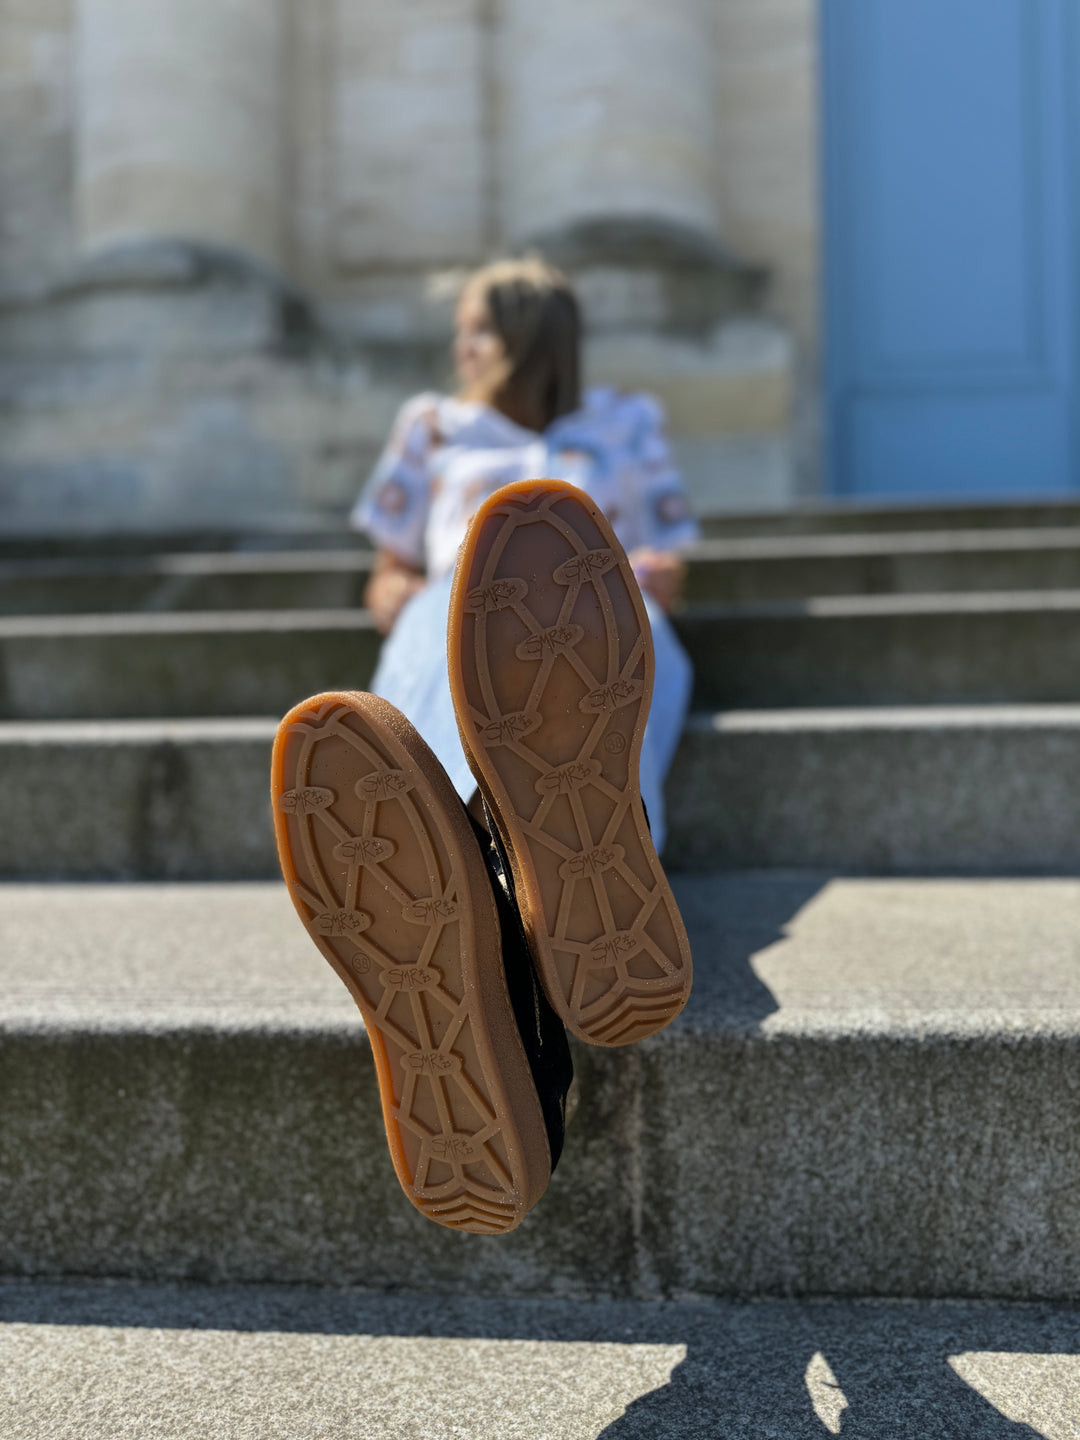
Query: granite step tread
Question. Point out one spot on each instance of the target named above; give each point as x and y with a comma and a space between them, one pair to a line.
732, 568
180, 664
846, 544
905, 789
925, 955
828, 518
207, 580
194, 563
946, 788
961, 648
344, 618
89, 1362
840, 650
740, 569
871, 1092
864, 517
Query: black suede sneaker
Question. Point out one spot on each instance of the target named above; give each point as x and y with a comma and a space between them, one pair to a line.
388, 878
542, 1032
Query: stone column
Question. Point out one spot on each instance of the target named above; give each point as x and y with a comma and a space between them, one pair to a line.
178, 133
609, 115
408, 116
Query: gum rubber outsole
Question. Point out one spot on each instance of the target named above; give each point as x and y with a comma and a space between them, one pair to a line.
551, 670
387, 877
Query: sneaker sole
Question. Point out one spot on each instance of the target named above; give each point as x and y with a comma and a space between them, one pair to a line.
551, 670
387, 877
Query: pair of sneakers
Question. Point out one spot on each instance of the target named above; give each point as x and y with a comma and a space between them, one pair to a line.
469, 948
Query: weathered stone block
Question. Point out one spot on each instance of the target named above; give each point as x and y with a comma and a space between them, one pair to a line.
886, 650
936, 789
204, 1155
873, 1091
243, 663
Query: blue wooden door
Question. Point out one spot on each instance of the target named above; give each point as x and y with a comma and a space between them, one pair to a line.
949, 246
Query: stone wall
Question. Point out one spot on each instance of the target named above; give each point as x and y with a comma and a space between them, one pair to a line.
37, 239
222, 223
409, 134
768, 138
179, 126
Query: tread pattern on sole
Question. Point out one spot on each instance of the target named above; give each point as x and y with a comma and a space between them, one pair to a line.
552, 671
383, 890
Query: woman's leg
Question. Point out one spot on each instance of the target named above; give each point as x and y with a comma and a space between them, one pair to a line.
411, 674
671, 700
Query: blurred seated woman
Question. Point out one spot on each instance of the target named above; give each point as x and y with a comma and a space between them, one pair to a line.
518, 414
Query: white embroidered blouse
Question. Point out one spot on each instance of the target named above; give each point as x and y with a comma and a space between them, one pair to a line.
446, 456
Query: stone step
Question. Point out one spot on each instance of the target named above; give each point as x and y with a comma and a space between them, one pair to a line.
976, 789
856, 518
246, 580
135, 545
928, 562
107, 799
977, 648
91, 1361
871, 1093
733, 570
830, 518
936, 789
205, 663
859, 650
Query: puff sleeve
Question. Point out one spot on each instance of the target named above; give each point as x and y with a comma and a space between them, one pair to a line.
664, 513
394, 504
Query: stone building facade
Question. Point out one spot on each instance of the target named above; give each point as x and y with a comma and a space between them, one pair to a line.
230, 232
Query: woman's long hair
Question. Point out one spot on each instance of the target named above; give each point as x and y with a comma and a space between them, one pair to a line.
535, 313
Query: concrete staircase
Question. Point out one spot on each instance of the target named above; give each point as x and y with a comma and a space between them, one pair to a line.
872, 1094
